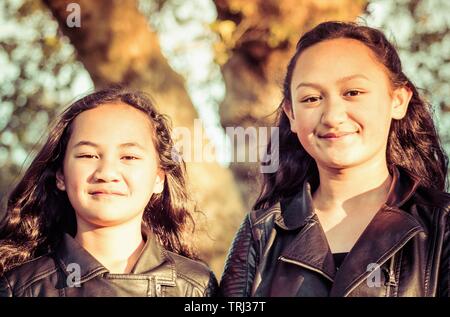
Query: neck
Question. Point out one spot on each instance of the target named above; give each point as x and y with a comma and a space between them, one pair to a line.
363, 185
115, 247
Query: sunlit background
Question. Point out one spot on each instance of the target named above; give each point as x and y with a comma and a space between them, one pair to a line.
41, 73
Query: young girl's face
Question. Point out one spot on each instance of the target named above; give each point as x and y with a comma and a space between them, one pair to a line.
110, 167
342, 104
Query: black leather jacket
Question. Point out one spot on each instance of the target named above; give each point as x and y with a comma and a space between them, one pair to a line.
157, 273
404, 251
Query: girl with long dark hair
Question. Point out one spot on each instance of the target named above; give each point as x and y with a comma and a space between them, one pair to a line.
103, 208
357, 205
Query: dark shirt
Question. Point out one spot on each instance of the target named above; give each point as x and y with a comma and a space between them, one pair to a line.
339, 258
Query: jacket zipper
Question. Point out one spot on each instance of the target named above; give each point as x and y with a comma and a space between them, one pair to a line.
391, 279
391, 282
282, 258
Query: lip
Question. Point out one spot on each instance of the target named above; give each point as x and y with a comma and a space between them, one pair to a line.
337, 135
102, 192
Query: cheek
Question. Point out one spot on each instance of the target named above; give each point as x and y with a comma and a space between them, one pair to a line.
374, 122
79, 176
305, 124
142, 176
304, 135
75, 175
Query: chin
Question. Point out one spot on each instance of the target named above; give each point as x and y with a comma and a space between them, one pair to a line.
104, 222
105, 218
339, 164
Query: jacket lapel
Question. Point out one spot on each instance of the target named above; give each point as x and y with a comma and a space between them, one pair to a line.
151, 260
73, 258
390, 229
310, 250
310, 247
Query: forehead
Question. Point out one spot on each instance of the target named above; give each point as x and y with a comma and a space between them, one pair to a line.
337, 58
111, 123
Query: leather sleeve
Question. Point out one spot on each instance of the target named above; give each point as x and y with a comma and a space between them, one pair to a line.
5, 288
444, 274
240, 267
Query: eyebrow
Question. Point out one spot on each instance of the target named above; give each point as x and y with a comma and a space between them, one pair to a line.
123, 145
340, 80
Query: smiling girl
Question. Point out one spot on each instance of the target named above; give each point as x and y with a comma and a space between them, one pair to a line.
356, 207
102, 209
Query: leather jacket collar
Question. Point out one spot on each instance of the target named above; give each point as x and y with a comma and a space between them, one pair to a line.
296, 211
389, 230
152, 256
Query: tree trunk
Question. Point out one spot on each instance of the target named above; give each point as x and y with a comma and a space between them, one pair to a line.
117, 46
257, 39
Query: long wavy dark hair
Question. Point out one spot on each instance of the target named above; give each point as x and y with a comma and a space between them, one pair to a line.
38, 214
413, 142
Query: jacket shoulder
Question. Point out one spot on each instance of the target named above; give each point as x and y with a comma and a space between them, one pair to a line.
195, 272
23, 276
261, 215
432, 198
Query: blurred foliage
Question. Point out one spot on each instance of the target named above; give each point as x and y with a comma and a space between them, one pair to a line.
37, 78
186, 41
40, 74
275, 23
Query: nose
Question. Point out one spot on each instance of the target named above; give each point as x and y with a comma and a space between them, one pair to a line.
334, 113
106, 171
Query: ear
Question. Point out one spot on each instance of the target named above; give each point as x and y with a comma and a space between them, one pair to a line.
159, 182
400, 101
287, 108
60, 184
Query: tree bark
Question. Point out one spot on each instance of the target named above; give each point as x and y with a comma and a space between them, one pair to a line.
117, 46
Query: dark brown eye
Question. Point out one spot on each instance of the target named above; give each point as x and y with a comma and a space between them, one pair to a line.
311, 99
353, 93
88, 156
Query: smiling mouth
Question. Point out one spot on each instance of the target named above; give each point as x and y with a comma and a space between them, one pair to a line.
336, 136
106, 194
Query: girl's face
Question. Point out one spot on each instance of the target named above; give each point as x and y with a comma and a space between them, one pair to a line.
342, 104
111, 166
